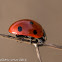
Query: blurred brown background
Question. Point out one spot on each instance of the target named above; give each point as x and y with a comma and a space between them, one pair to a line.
46, 12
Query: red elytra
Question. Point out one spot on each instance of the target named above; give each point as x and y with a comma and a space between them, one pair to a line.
27, 27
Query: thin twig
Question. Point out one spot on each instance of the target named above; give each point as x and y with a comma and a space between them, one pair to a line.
22, 40
38, 52
53, 45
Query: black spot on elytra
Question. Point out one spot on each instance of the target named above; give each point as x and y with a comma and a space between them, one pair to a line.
35, 32
19, 28
31, 22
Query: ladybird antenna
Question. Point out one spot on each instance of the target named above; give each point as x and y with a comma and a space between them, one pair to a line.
38, 52
53, 46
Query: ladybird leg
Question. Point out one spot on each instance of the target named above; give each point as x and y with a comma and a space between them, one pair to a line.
53, 45
38, 52
31, 41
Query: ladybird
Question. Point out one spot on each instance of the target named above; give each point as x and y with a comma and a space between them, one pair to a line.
27, 28
32, 30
